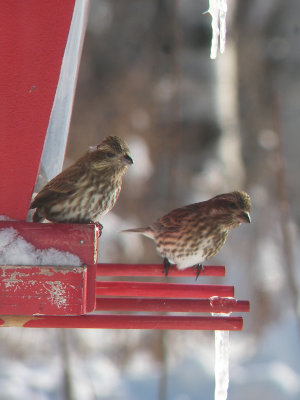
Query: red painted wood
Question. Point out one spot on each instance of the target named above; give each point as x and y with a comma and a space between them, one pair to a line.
155, 270
90, 294
155, 289
170, 305
32, 43
43, 290
78, 239
128, 322
25, 295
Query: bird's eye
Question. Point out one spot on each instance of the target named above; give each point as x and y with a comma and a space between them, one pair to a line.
110, 155
232, 205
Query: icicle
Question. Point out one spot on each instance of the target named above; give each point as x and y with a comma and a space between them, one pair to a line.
222, 15
222, 348
221, 364
217, 10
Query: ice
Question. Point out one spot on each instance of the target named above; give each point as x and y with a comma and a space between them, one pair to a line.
15, 250
221, 364
217, 10
221, 353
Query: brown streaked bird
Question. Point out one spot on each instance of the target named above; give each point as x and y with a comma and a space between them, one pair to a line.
89, 188
189, 235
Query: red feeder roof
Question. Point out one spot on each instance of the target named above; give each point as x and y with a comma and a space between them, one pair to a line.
32, 43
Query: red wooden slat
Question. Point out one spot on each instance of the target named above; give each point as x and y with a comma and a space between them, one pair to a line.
90, 295
154, 289
170, 305
43, 290
127, 322
32, 43
155, 270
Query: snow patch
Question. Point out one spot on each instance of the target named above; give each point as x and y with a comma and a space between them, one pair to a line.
5, 218
285, 376
15, 250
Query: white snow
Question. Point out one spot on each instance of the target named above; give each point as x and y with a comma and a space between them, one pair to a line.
142, 365
30, 365
19, 380
5, 218
285, 376
101, 379
217, 10
15, 250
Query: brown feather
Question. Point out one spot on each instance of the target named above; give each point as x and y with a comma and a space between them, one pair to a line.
196, 232
87, 189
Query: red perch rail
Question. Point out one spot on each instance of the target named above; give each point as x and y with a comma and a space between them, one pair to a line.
85, 296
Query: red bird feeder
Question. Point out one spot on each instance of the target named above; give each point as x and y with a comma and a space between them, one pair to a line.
66, 295
49, 276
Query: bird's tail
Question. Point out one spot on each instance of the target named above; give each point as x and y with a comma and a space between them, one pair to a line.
147, 231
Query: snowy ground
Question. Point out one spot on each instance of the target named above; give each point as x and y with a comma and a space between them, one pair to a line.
31, 366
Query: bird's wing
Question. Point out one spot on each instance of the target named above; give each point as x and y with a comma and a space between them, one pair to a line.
176, 219
61, 186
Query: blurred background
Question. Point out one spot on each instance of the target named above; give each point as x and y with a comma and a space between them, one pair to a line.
196, 127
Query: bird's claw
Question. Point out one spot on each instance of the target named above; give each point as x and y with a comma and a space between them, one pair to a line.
198, 268
166, 266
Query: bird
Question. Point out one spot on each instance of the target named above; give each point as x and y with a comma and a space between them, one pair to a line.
189, 235
88, 189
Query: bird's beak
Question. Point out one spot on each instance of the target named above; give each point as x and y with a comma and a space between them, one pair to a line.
245, 217
127, 159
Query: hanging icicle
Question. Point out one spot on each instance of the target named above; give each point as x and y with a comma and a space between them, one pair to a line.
217, 10
222, 351
221, 364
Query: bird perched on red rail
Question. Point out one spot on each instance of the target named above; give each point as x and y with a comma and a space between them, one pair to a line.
189, 235
89, 188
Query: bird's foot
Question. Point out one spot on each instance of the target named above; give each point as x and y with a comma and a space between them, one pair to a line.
198, 268
166, 266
